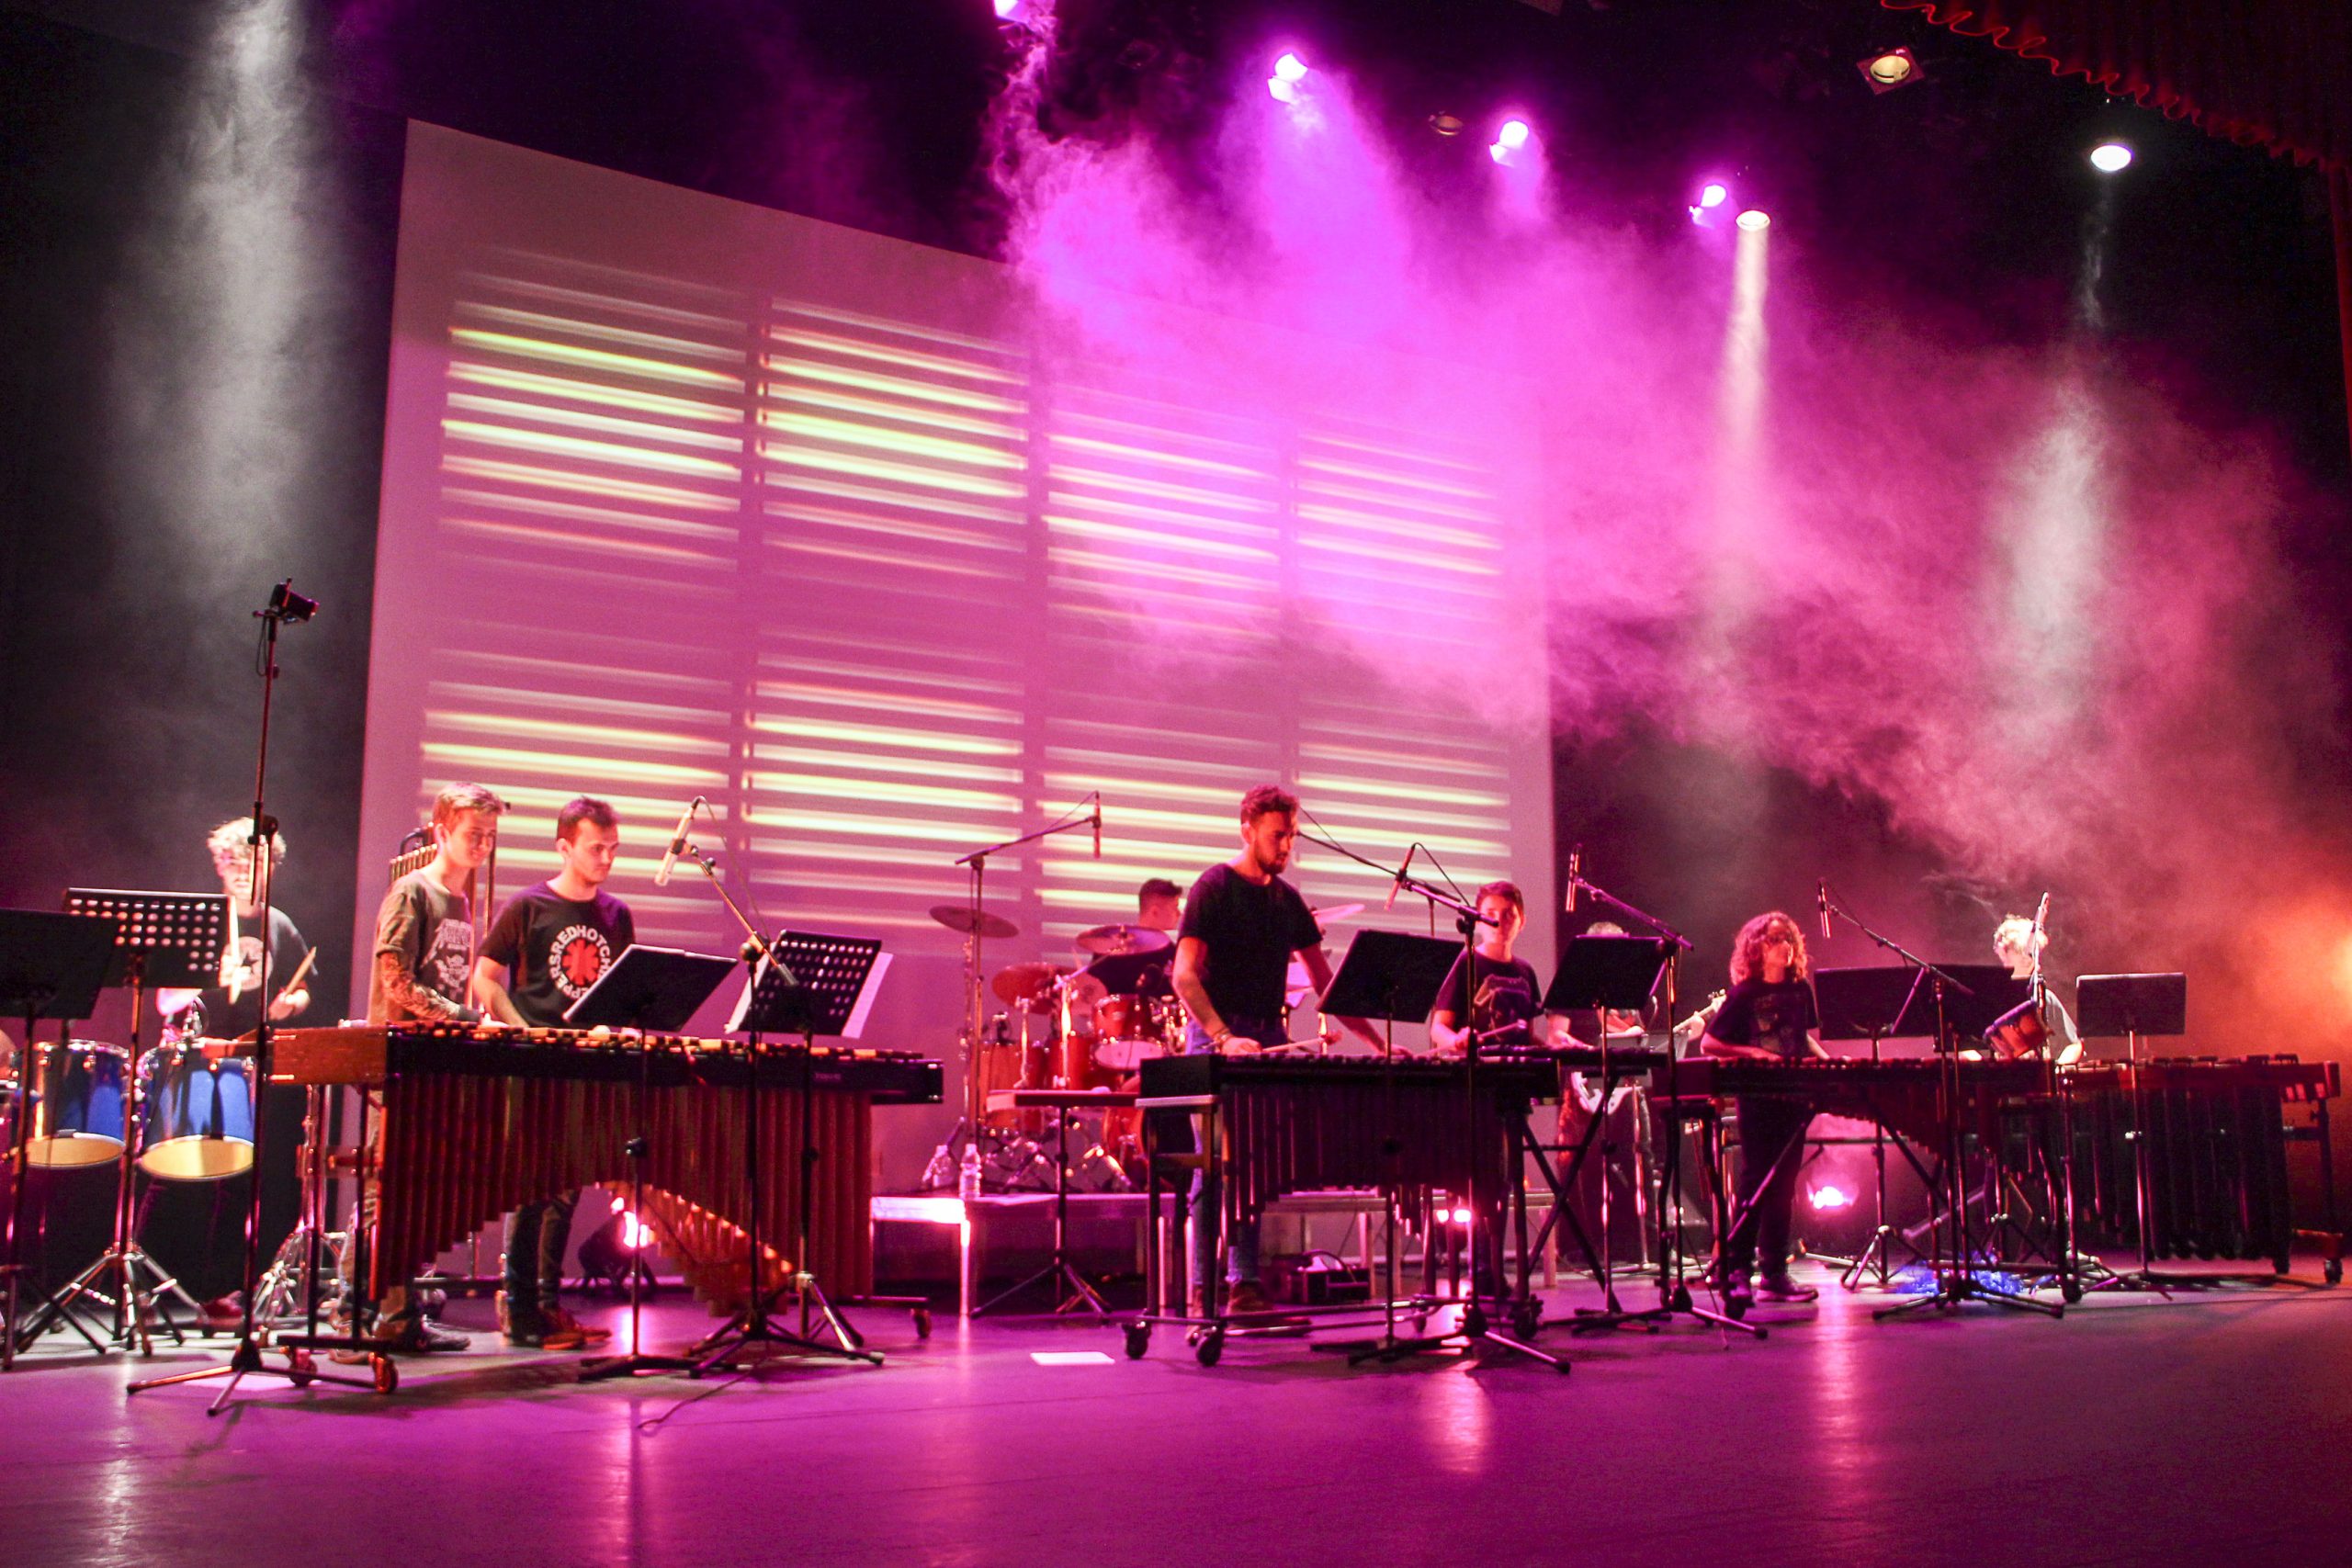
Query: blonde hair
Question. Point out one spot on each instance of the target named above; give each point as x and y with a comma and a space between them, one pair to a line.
1748, 952
459, 797
2015, 934
236, 836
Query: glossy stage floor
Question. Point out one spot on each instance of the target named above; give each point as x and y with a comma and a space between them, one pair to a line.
2210, 1428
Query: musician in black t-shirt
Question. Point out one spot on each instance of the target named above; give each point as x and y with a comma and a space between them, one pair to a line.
548, 946
1241, 924
1501, 1001
1768, 1014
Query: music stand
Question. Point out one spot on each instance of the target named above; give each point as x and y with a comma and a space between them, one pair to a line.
656, 988
2131, 1006
805, 984
1389, 975
1602, 975
161, 939
1875, 1003
51, 967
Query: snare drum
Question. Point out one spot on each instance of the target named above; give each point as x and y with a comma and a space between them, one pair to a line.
195, 1116
74, 1103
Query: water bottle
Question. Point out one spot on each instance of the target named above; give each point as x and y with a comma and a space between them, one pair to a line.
967, 1183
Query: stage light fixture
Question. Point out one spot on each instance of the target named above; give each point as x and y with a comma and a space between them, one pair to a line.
1828, 1197
1446, 124
1007, 9
1890, 69
2110, 157
1707, 211
1510, 140
1754, 220
1290, 74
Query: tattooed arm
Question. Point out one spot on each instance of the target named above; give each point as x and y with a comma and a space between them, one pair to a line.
404, 999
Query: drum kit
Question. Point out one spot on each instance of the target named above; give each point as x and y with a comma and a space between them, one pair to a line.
196, 1113
1086, 1024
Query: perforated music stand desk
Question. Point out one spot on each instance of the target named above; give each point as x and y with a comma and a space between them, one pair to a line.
655, 988
2113, 1005
171, 939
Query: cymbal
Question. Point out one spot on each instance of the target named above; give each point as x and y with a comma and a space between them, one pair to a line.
1298, 986
957, 917
1336, 913
1115, 942
1028, 985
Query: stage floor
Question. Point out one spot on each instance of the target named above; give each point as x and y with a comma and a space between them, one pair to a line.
2210, 1427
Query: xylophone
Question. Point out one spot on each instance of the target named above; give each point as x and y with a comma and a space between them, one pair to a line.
1904, 1094
477, 1120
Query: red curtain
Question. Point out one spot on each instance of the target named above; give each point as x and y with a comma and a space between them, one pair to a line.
2270, 73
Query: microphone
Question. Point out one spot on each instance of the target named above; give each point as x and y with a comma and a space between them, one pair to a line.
1820, 891
1576, 872
1398, 885
677, 843
1097, 829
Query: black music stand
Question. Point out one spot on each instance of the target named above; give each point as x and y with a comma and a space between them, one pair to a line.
1604, 975
51, 967
656, 988
1392, 975
805, 984
161, 939
2131, 1006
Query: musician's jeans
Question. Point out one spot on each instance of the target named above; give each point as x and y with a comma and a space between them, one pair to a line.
1769, 1129
536, 1234
1208, 1190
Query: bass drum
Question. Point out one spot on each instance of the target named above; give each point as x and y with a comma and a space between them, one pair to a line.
74, 1103
195, 1116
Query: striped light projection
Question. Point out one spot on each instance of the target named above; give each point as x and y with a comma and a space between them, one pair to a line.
791, 518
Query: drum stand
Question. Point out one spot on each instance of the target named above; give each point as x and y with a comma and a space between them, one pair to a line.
140, 1289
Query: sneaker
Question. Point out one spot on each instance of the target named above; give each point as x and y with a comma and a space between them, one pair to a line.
1244, 1299
1783, 1289
561, 1321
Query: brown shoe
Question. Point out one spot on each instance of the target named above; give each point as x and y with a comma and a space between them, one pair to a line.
566, 1332
1244, 1299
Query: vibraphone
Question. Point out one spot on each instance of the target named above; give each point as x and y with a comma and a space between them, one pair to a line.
1306, 1123
2215, 1136
476, 1122
1903, 1094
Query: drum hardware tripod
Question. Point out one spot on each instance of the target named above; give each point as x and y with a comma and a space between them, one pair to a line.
285, 608
179, 936
287, 1283
1382, 978
51, 967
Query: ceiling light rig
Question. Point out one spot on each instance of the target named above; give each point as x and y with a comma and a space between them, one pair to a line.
1889, 69
2110, 157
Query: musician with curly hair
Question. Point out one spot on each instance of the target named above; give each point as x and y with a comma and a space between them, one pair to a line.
1768, 1014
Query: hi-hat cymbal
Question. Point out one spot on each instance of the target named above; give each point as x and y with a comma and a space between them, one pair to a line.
1333, 914
957, 917
1029, 986
1116, 942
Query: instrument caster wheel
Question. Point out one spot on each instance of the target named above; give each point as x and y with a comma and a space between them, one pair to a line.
1211, 1347
1473, 1320
923, 1323
386, 1375
300, 1369
1525, 1321
1139, 1340
2070, 1290
1735, 1307
1678, 1299
2333, 1272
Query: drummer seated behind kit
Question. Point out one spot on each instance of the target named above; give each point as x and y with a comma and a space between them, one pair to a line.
1241, 924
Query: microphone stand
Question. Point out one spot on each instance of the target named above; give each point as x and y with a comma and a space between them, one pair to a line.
1674, 1289
973, 1123
1955, 1285
285, 606
1474, 1329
